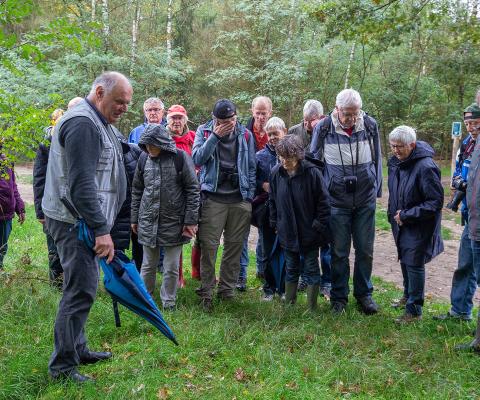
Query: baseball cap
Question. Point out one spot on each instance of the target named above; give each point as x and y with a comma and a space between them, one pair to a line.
177, 109
224, 109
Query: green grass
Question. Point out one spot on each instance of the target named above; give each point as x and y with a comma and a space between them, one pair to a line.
245, 349
381, 219
26, 179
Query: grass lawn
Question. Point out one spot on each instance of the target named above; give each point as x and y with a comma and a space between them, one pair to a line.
245, 349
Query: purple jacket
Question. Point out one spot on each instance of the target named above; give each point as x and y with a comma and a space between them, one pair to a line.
10, 200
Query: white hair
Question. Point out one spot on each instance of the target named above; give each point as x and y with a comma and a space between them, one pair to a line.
262, 99
312, 108
108, 80
152, 100
275, 123
403, 134
348, 98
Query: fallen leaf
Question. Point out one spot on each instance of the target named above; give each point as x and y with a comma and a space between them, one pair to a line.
240, 374
163, 393
138, 389
291, 385
106, 346
128, 355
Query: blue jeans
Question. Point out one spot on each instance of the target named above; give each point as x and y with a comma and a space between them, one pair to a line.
464, 281
414, 287
244, 259
358, 225
5, 230
311, 269
261, 258
325, 263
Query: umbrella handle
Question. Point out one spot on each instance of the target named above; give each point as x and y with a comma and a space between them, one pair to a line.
116, 314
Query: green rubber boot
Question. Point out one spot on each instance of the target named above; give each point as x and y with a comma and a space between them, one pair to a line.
290, 292
312, 296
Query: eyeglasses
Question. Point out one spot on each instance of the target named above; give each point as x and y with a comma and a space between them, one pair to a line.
354, 115
397, 146
153, 110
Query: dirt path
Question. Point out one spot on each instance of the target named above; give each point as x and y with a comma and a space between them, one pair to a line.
385, 264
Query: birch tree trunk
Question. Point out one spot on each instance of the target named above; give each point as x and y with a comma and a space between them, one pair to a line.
106, 23
169, 31
94, 4
135, 23
347, 74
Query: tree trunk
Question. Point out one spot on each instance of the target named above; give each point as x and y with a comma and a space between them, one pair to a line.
347, 74
93, 10
135, 23
169, 31
106, 23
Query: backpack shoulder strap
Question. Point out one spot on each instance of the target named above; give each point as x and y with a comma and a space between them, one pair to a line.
322, 134
370, 130
142, 160
179, 160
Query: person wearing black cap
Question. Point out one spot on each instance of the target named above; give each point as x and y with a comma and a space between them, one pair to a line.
464, 282
225, 151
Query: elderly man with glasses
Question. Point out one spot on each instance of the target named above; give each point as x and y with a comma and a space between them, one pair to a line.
153, 109
347, 141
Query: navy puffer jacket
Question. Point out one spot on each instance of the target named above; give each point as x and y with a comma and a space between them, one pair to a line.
415, 189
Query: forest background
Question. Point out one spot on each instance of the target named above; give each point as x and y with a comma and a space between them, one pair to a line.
415, 62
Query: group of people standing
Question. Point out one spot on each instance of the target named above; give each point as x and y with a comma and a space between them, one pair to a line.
313, 190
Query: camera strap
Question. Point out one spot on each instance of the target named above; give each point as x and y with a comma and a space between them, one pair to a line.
354, 170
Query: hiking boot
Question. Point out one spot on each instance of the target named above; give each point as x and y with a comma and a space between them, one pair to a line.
407, 318
312, 296
453, 317
367, 305
241, 285
337, 307
468, 347
325, 292
93, 357
267, 297
291, 292
399, 303
302, 285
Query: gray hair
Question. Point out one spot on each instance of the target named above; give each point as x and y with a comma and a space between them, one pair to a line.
403, 134
108, 80
276, 124
291, 146
153, 100
262, 99
312, 108
348, 98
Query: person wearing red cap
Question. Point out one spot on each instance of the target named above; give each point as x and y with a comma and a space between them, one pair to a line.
177, 127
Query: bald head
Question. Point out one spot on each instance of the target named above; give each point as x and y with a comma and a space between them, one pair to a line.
111, 93
72, 103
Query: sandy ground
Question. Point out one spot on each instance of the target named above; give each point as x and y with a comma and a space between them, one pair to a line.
385, 264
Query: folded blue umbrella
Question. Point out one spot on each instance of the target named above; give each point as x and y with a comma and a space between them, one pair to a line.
277, 261
124, 284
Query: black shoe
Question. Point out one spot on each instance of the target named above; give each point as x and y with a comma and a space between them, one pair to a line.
367, 305
241, 285
337, 307
453, 317
467, 347
95, 356
74, 376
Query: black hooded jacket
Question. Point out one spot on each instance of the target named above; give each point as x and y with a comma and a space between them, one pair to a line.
299, 207
415, 188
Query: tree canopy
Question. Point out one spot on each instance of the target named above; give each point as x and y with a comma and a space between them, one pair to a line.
415, 62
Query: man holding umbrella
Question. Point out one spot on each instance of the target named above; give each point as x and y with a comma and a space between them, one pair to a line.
85, 169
